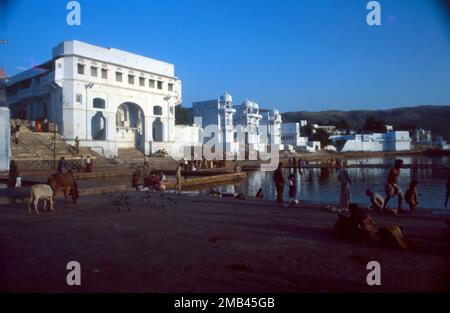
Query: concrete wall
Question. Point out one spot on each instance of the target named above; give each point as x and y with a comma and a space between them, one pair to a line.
5, 130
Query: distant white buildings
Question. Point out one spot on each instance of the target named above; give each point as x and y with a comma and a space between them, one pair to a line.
239, 127
292, 139
441, 143
422, 137
327, 128
108, 98
389, 141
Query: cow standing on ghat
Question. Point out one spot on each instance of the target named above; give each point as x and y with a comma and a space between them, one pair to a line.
65, 182
40, 192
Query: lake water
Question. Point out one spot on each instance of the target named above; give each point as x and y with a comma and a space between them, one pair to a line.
314, 187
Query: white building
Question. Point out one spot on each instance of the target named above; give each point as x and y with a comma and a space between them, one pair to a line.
327, 128
272, 120
5, 130
247, 115
292, 139
441, 143
218, 113
389, 141
108, 98
422, 137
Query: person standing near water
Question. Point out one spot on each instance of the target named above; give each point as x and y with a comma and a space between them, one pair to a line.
346, 182
178, 176
278, 178
292, 189
392, 189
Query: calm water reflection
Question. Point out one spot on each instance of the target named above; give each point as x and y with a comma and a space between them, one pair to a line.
316, 186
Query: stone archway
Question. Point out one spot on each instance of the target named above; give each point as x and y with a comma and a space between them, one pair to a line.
157, 130
98, 129
130, 125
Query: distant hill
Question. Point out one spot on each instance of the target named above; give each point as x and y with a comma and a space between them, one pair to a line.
434, 118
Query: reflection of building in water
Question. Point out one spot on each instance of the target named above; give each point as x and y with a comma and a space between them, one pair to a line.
108, 98
389, 141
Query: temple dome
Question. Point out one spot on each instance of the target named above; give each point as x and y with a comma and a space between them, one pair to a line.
226, 97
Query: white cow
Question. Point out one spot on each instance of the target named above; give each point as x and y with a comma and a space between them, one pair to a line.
40, 192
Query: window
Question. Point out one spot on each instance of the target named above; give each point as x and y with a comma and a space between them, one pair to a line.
170, 87
141, 81
118, 77
151, 83
104, 73
157, 110
160, 85
131, 79
93, 71
79, 98
99, 103
80, 69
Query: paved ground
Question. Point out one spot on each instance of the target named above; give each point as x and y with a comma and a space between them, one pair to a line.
200, 244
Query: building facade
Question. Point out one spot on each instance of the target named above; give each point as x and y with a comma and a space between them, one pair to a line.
247, 115
218, 114
422, 137
389, 141
108, 98
272, 120
292, 139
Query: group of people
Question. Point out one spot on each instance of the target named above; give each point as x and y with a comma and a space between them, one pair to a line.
151, 181
85, 165
280, 181
391, 188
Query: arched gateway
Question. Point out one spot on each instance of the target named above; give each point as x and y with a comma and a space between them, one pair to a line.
130, 126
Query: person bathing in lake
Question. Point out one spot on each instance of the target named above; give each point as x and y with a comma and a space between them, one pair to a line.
376, 200
391, 188
278, 178
412, 196
346, 182
447, 195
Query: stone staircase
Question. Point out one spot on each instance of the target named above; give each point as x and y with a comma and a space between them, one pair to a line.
34, 151
130, 154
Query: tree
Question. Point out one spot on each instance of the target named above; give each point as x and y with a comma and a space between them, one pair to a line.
307, 130
373, 125
343, 124
181, 115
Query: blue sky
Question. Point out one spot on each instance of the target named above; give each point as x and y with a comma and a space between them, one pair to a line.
290, 54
